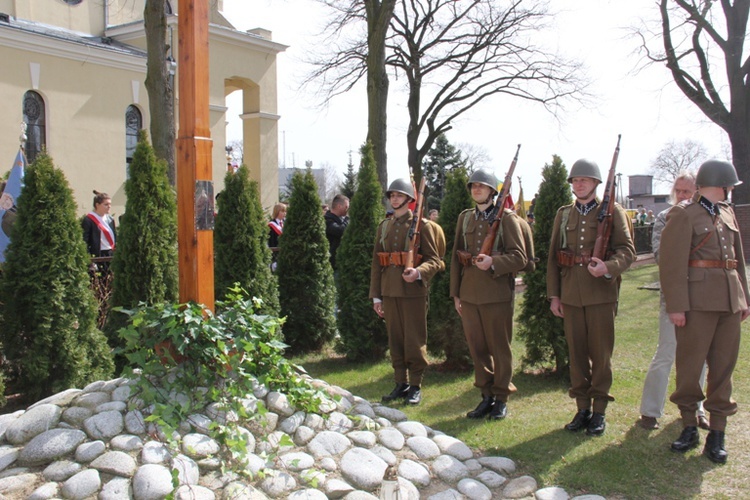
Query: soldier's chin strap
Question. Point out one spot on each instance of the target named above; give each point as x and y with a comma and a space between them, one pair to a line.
408, 200
490, 198
726, 194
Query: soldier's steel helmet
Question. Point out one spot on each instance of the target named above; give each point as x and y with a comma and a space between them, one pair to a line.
483, 177
401, 186
717, 173
585, 168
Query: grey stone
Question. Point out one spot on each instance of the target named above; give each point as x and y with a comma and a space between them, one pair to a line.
390, 414
590, 497
391, 438
338, 422
314, 422
61, 470
8, 456
32, 423
135, 423
126, 442
277, 484
200, 423
76, 415
122, 393
116, 489
327, 444
473, 465
474, 489
255, 464
199, 445
82, 485
303, 435
336, 488
364, 409
491, 479
453, 447
449, 469
520, 487
193, 492
292, 423
274, 443
296, 461
97, 386
239, 491
551, 493
414, 472
45, 491
277, 402
424, 447
308, 494
408, 490
362, 469
50, 445
89, 451
60, 399
92, 399
118, 406
151, 482
104, 425
365, 439
411, 428
385, 454
117, 463
18, 483
154, 452
6, 420
208, 464
14, 471
264, 424
449, 494
501, 465
328, 464
313, 477
360, 495
187, 470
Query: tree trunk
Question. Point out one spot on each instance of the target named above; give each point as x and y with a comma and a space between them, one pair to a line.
740, 142
379, 15
160, 84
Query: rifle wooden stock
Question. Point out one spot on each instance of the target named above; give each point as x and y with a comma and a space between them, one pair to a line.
489, 240
416, 226
604, 227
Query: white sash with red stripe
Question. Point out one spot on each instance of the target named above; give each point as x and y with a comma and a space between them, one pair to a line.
104, 228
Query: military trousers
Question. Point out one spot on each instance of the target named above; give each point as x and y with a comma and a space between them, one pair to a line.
713, 338
590, 333
489, 331
406, 322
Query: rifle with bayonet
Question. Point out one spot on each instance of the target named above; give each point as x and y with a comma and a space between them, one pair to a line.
605, 222
497, 213
412, 256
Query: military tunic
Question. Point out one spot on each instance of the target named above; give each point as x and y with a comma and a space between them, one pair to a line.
589, 303
405, 304
711, 298
487, 298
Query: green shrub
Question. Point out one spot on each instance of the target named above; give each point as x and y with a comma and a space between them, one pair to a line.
306, 289
542, 332
49, 313
145, 259
446, 334
241, 251
362, 332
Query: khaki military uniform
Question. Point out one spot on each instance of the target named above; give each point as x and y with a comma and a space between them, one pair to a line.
405, 304
589, 303
712, 299
487, 298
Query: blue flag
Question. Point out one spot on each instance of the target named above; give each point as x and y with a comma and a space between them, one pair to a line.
8, 201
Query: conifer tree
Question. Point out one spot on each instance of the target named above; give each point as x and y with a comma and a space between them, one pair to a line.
349, 186
145, 258
241, 251
440, 159
443, 322
363, 334
542, 332
306, 289
48, 324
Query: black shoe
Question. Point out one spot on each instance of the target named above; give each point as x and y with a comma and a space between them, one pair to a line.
714, 448
483, 408
398, 392
688, 439
580, 421
499, 410
596, 425
414, 396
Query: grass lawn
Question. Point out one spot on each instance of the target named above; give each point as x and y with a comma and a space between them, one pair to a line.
627, 462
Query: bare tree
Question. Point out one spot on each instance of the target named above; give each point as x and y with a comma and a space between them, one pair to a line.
236, 151
676, 157
160, 83
331, 182
476, 156
454, 55
703, 42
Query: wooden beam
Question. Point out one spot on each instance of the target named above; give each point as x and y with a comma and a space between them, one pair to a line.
195, 194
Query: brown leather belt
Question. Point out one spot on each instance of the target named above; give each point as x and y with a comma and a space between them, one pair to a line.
728, 264
566, 258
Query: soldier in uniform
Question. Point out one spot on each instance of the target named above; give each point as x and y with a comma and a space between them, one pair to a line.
400, 293
482, 287
583, 290
702, 271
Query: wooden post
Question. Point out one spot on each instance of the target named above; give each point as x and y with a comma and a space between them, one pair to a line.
195, 194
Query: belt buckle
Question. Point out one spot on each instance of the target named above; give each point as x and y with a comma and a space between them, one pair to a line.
730, 264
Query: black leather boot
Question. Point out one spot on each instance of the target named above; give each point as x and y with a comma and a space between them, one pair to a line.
714, 448
596, 425
499, 410
580, 421
688, 439
483, 408
398, 392
414, 395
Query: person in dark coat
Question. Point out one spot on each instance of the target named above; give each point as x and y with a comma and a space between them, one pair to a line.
99, 231
336, 221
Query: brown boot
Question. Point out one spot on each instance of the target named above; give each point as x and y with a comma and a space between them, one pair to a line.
648, 423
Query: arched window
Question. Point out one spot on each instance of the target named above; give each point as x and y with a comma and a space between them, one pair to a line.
35, 118
168, 8
133, 123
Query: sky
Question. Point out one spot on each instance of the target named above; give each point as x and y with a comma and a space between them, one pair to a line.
639, 101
